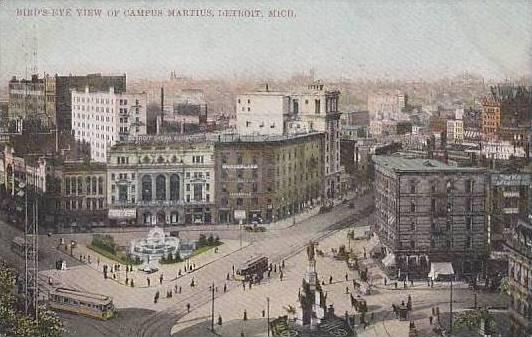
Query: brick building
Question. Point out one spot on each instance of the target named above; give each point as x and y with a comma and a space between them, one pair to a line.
269, 177
428, 211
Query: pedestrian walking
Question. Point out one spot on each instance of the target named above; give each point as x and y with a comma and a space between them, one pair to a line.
179, 272
244, 286
411, 282
98, 261
175, 289
431, 319
188, 307
431, 283
385, 281
346, 276
281, 276
275, 268
148, 281
269, 271
395, 284
180, 289
330, 279
161, 279
283, 264
233, 269
227, 278
404, 284
346, 289
225, 287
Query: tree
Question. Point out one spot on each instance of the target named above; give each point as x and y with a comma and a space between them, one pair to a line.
202, 241
13, 321
504, 286
471, 319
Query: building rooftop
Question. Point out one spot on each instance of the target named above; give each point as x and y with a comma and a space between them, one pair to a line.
209, 138
401, 164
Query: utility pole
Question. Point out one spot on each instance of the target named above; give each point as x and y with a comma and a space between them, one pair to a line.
268, 314
212, 308
240, 225
451, 309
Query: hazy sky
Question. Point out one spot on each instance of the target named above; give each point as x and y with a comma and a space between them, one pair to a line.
354, 39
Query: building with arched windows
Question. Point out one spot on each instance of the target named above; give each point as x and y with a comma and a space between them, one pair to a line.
161, 180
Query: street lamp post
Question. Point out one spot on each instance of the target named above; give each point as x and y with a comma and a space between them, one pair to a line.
268, 314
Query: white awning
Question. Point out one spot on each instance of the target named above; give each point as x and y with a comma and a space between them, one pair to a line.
440, 268
123, 213
389, 260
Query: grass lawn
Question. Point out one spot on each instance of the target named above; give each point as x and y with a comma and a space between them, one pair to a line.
120, 257
196, 253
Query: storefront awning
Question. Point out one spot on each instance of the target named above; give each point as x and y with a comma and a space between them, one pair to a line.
440, 268
389, 260
124, 213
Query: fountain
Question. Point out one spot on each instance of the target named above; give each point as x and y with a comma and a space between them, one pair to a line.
152, 248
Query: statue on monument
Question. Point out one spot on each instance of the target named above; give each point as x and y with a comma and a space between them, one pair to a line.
310, 251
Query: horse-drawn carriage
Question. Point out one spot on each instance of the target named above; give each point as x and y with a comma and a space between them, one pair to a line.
359, 304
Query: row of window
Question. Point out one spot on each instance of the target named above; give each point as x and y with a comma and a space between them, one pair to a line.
90, 204
74, 185
469, 186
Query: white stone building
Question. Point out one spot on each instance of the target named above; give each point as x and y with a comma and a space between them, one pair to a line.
387, 106
101, 119
160, 180
455, 131
262, 113
314, 109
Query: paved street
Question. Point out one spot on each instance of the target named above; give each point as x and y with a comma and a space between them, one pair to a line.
140, 316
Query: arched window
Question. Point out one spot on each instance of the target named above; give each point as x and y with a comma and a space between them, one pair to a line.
174, 187
160, 160
94, 185
67, 185
80, 185
146, 188
160, 187
100, 185
88, 184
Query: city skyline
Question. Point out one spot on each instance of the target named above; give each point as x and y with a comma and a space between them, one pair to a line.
339, 40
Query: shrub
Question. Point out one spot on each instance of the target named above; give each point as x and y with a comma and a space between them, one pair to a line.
210, 240
105, 242
202, 241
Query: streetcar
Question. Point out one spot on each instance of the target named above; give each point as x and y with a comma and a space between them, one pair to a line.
254, 267
82, 303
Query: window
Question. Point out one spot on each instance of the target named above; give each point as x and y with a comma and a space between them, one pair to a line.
146, 188
239, 201
198, 192
412, 187
469, 223
469, 242
174, 187
469, 185
433, 205
188, 187
160, 187
122, 193
412, 244
317, 106
412, 207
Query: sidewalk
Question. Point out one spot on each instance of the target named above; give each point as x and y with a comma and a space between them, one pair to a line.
169, 271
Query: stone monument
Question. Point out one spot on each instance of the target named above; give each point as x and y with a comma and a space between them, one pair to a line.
311, 308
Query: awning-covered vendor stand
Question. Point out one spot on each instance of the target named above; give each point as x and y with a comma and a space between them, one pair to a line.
441, 271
